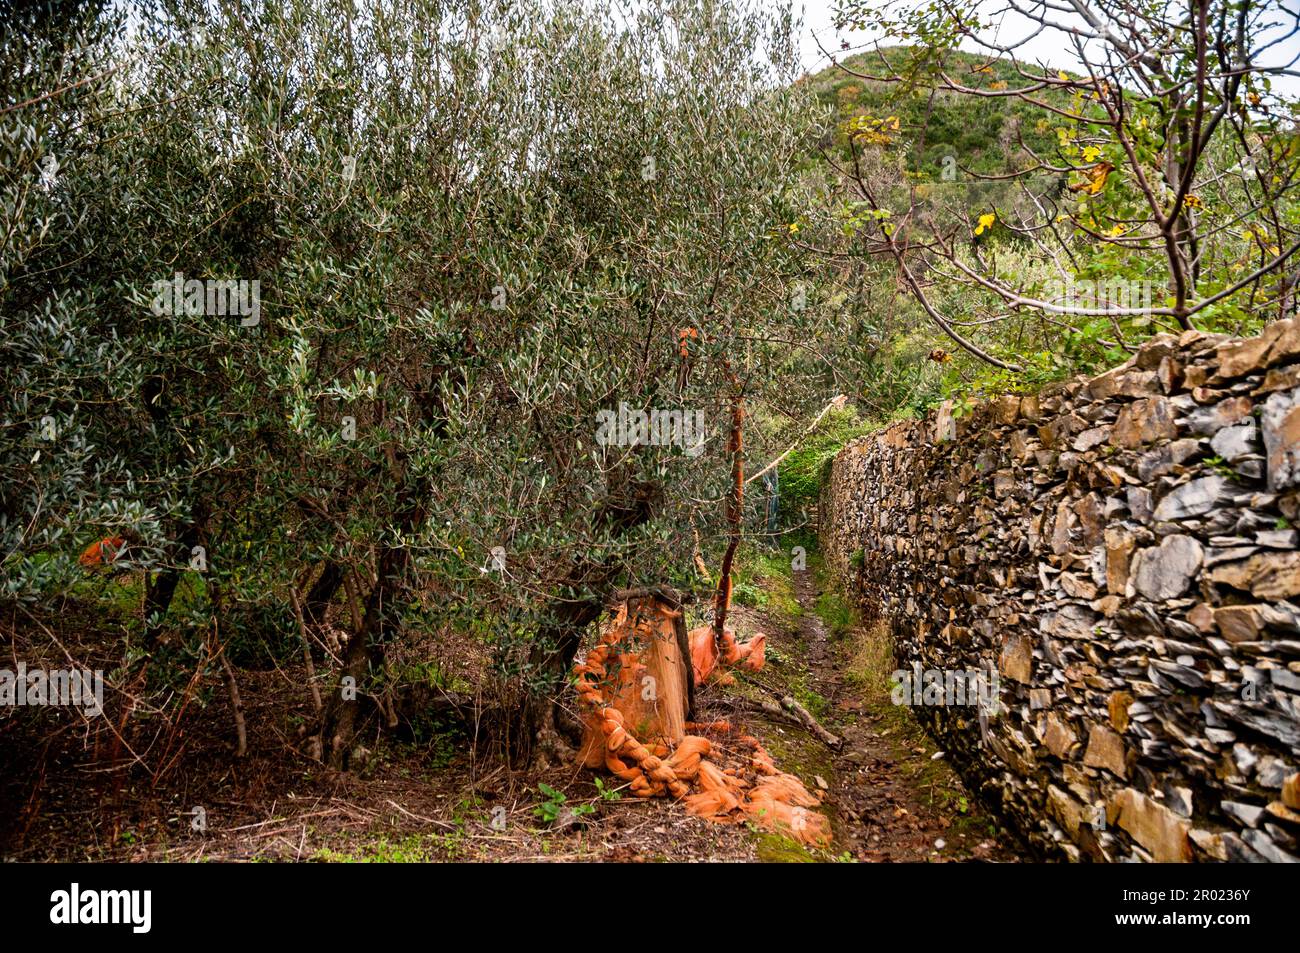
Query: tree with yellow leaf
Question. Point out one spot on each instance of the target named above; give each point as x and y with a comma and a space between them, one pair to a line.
1167, 132
1094, 179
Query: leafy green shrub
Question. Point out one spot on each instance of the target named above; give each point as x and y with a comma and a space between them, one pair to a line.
803, 471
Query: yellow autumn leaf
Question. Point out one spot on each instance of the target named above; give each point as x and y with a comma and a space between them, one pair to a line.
986, 221
1095, 179
1091, 154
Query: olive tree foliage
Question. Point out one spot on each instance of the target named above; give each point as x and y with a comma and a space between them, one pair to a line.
478, 229
1154, 166
64, 365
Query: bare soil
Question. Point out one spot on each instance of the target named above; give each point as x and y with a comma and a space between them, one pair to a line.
70, 792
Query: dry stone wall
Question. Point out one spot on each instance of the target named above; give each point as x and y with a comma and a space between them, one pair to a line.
1121, 553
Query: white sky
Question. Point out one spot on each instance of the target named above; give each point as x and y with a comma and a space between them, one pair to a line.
819, 16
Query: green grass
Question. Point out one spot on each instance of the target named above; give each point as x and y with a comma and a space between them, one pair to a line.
776, 848
836, 612
810, 698
412, 849
761, 579
803, 471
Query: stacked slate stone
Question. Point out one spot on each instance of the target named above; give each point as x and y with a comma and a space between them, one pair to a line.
1123, 551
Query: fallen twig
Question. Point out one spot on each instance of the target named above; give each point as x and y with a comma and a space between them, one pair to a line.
787, 709
418, 817
811, 723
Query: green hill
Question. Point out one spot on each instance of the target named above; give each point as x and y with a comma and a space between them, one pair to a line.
942, 134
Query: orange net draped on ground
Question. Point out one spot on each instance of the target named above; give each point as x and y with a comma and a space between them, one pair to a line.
636, 693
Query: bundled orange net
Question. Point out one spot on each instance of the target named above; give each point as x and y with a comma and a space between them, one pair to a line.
102, 552
636, 688
705, 654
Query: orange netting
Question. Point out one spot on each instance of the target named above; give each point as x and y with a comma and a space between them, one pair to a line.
102, 552
634, 685
704, 654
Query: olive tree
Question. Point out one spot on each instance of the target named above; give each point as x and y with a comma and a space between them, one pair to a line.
1153, 161
389, 289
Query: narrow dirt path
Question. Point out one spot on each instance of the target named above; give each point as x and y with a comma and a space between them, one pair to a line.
889, 792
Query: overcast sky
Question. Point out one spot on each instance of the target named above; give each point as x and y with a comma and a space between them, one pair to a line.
819, 15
